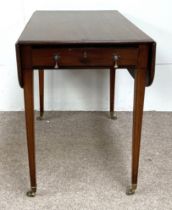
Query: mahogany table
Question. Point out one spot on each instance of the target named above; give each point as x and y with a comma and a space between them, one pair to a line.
82, 40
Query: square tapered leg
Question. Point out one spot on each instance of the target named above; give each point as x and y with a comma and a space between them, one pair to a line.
29, 116
139, 91
112, 93
41, 94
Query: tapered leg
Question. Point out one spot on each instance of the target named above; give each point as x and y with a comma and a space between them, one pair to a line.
29, 116
112, 93
41, 93
139, 91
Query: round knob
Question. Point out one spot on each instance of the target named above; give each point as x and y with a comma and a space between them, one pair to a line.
56, 59
115, 59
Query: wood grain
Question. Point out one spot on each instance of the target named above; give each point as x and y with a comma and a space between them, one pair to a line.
29, 116
95, 57
139, 92
41, 92
112, 88
59, 27
81, 29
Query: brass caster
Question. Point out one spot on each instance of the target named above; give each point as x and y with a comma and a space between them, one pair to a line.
113, 115
131, 189
40, 118
32, 192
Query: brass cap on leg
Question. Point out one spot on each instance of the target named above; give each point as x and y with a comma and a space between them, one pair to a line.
131, 189
32, 192
113, 115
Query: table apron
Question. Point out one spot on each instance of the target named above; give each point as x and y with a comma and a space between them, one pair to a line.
84, 57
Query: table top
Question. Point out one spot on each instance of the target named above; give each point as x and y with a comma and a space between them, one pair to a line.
74, 27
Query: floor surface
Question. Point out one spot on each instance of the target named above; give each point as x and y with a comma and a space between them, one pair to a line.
83, 162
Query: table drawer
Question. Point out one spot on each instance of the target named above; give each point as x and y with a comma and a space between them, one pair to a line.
84, 57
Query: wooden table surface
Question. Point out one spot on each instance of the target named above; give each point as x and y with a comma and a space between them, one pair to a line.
81, 27
80, 40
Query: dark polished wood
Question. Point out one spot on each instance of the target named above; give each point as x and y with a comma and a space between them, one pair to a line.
112, 89
84, 56
41, 92
82, 40
66, 29
29, 116
75, 27
139, 91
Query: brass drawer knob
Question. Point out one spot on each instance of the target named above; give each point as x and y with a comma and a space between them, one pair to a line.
56, 59
116, 59
84, 58
85, 55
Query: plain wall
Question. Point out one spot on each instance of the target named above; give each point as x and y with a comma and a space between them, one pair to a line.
87, 90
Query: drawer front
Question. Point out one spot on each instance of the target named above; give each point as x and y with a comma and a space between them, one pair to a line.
83, 57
